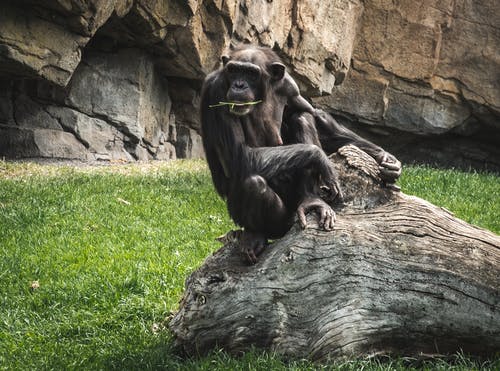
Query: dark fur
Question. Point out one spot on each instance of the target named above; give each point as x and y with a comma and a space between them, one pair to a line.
290, 174
263, 182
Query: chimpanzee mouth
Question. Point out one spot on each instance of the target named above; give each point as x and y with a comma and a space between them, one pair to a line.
238, 108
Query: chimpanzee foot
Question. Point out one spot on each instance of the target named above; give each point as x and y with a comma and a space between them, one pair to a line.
390, 168
392, 186
251, 245
332, 192
324, 211
232, 236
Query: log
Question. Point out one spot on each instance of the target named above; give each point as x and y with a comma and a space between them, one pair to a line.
397, 275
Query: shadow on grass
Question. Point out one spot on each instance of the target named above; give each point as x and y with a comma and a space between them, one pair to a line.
163, 356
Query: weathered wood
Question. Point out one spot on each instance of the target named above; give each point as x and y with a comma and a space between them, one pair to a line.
396, 275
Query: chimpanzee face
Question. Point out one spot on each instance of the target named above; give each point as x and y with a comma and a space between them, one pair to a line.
249, 74
245, 84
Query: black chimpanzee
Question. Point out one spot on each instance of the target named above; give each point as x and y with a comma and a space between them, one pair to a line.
264, 182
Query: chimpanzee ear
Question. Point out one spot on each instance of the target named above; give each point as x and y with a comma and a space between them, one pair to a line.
225, 59
277, 71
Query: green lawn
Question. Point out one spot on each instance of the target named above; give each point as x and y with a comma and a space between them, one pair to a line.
93, 261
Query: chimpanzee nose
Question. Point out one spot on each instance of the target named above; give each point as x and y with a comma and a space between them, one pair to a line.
240, 85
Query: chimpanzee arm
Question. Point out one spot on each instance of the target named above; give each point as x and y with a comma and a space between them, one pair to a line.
320, 173
219, 178
332, 136
295, 102
300, 104
214, 134
296, 172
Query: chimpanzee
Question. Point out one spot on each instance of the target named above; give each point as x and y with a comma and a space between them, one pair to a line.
323, 130
263, 181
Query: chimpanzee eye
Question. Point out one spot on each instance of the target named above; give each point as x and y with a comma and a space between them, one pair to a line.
253, 75
230, 68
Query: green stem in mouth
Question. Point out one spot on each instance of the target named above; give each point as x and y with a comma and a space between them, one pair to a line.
232, 104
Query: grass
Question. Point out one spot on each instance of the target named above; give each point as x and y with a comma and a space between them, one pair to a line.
474, 197
94, 260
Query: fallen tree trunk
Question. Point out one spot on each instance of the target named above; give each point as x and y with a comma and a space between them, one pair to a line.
396, 275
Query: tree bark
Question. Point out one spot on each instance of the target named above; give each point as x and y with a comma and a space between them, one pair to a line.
397, 275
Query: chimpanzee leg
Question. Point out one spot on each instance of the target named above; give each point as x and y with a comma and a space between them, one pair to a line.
262, 209
300, 128
261, 212
296, 173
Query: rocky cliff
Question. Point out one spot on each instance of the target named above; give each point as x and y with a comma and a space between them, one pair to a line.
120, 79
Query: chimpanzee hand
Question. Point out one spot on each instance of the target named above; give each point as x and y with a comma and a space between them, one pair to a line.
251, 245
324, 211
390, 169
332, 191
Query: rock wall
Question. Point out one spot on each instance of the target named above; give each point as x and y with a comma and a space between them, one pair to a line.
425, 67
120, 79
